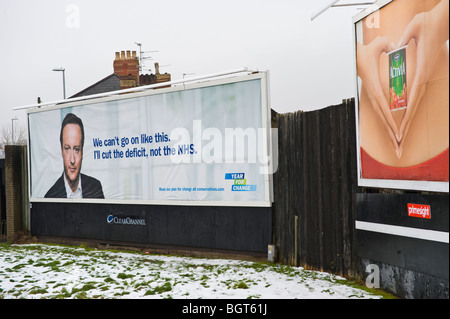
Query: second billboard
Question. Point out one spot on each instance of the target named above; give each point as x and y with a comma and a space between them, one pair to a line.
207, 143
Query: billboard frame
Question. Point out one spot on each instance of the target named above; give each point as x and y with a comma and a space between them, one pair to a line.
416, 185
187, 84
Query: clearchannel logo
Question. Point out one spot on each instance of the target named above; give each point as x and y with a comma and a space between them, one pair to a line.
125, 220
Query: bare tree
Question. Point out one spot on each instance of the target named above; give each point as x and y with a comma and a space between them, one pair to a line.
6, 136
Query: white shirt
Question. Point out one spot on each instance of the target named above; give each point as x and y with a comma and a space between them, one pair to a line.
78, 193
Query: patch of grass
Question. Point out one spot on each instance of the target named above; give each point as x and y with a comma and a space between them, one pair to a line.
204, 284
64, 294
372, 291
328, 291
16, 267
86, 287
240, 285
159, 289
140, 285
58, 285
37, 290
257, 266
124, 276
288, 270
204, 277
110, 280
154, 262
53, 264
81, 295
195, 266
123, 293
67, 263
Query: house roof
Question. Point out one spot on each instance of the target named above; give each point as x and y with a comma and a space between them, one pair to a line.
107, 84
112, 83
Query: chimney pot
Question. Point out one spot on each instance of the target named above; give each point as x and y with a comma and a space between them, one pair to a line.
126, 66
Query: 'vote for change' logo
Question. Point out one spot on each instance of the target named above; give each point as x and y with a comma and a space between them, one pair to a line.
240, 183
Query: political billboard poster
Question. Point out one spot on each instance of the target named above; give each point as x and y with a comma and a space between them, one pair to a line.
402, 65
196, 144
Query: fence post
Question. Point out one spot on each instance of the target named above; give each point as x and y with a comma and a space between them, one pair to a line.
14, 189
295, 240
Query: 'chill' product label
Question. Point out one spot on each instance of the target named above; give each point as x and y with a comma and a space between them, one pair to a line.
397, 78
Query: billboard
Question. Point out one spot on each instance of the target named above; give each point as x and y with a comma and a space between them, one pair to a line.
198, 144
402, 64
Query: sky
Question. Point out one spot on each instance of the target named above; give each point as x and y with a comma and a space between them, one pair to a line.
311, 63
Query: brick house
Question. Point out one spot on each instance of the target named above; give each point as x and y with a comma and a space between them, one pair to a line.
126, 75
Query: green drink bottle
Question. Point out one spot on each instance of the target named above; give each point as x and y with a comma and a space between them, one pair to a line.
397, 78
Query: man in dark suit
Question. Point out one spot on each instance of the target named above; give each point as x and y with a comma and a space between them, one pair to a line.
73, 184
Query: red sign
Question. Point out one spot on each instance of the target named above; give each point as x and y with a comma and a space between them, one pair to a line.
419, 210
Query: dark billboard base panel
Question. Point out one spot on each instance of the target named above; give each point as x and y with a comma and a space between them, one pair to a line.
206, 227
405, 282
406, 247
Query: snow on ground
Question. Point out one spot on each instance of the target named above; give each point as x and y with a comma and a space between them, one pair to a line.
48, 271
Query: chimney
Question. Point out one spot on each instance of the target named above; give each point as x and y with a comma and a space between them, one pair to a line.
148, 79
126, 66
161, 77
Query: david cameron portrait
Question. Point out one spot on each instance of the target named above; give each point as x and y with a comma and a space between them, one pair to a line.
72, 183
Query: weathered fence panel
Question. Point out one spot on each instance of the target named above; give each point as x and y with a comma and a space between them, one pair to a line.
314, 189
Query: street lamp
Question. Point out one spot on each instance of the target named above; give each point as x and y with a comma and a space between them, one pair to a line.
64, 79
12, 128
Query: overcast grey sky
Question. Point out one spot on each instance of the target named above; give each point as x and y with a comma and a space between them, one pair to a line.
310, 63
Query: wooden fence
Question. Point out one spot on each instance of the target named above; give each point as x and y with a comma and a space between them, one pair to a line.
314, 189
